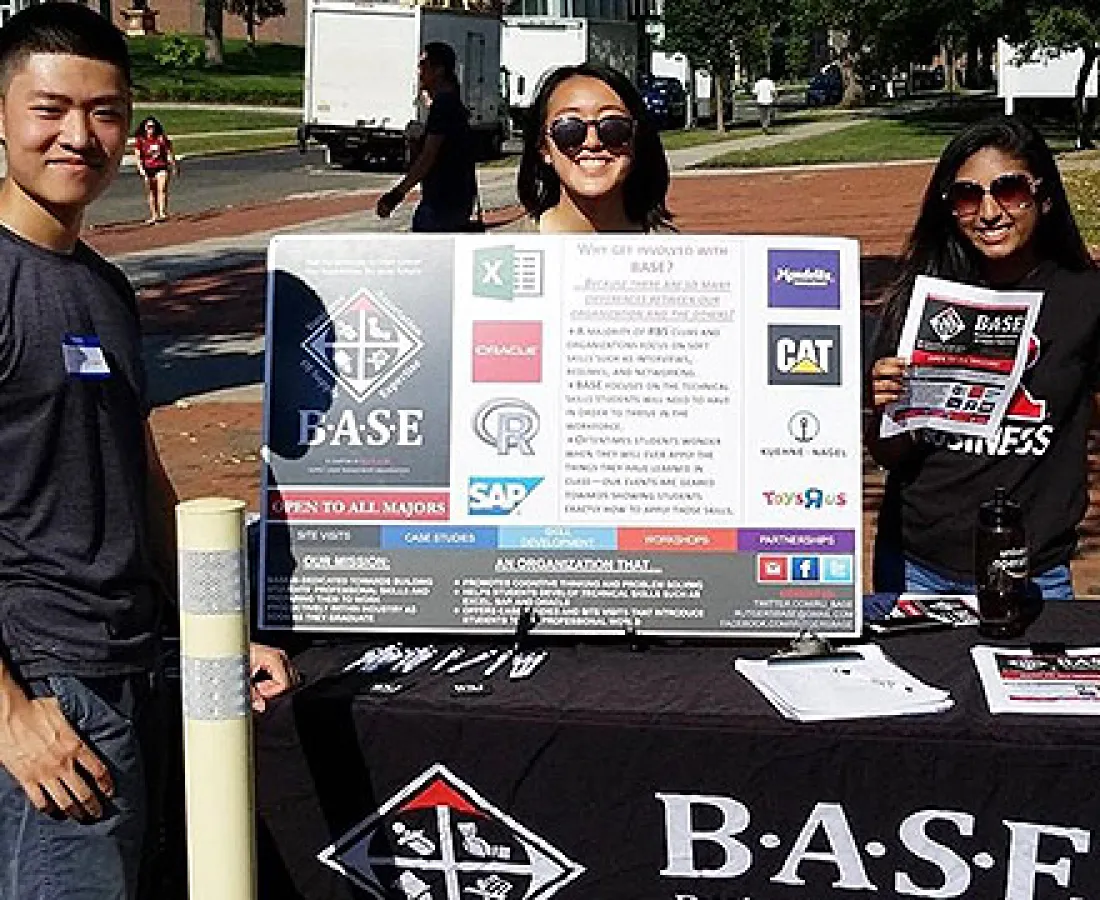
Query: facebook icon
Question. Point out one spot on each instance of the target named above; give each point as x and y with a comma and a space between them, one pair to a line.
805, 568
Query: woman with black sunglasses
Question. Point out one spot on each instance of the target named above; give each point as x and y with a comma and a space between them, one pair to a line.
591, 159
995, 214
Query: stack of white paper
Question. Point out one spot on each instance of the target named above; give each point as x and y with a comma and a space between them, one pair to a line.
1018, 680
859, 684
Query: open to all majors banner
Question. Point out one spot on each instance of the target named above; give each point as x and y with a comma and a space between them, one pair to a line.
656, 433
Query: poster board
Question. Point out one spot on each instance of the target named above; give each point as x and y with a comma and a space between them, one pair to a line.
656, 433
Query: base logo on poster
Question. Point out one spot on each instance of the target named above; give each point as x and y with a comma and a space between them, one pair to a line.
438, 839
364, 343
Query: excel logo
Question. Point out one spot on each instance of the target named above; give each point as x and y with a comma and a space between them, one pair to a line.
437, 839
508, 273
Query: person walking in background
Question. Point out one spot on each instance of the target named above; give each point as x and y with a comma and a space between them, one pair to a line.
594, 162
445, 165
156, 163
995, 214
87, 531
765, 93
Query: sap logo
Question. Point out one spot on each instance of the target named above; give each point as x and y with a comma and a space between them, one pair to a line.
499, 496
804, 354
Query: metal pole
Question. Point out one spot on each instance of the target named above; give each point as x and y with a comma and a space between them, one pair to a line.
221, 840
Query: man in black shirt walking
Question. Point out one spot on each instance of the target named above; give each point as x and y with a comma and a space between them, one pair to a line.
445, 166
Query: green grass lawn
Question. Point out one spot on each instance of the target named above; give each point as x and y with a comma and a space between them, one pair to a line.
1083, 187
265, 140
272, 75
179, 121
915, 136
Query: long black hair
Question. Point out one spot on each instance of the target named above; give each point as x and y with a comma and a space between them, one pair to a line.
647, 181
936, 246
158, 129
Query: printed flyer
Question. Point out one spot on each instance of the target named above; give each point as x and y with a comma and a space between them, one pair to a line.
618, 433
1021, 681
967, 349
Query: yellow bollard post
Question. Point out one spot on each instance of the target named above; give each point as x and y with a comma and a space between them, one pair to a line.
221, 839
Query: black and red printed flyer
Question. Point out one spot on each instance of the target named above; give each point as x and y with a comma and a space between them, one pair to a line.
654, 434
967, 349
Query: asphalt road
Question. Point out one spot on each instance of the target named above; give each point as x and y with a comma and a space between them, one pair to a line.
240, 179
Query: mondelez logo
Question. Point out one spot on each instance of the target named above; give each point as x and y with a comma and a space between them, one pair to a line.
438, 839
804, 279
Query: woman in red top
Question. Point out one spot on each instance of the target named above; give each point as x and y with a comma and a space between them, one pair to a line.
155, 161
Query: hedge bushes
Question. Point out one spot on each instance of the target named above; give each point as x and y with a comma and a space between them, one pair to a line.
170, 68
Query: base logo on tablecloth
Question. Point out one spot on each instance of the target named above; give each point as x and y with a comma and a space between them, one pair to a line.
438, 839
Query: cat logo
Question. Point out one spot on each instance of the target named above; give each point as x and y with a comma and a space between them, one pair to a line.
804, 354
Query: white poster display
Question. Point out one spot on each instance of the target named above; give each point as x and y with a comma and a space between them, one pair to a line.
657, 434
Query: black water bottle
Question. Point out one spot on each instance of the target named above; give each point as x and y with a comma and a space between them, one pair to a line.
1001, 566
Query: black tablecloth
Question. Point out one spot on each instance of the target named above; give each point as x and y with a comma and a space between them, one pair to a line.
663, 774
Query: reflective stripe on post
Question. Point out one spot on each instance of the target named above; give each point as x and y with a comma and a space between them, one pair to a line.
221, 840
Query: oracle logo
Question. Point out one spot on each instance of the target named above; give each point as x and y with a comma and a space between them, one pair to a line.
507, 352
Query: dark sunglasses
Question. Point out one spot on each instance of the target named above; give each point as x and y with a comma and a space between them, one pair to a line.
1011, 191
570, 132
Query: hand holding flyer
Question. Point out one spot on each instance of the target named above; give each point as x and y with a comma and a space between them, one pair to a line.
967, 349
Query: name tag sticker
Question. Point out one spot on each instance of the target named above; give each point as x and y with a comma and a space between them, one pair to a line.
84, 357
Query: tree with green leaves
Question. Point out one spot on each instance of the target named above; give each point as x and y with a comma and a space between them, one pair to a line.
705, 31
255, 13
1061, 27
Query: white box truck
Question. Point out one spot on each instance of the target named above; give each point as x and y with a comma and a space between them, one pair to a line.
361, 93
536, 45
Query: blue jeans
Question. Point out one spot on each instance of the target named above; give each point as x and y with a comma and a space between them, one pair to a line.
1053, 584
440, 219
47, 858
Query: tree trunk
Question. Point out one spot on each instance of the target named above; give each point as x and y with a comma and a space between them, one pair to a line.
1082, 115
718, 79
213, 16
853, 91
250, 26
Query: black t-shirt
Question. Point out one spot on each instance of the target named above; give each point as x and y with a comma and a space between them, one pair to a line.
449, 185
75, 592
1038, 454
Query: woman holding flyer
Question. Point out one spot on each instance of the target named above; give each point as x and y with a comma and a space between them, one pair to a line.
995, 215
594, 162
